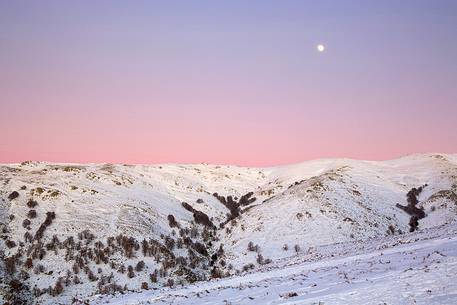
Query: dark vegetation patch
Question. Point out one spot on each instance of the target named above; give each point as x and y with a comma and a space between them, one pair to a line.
411, 209
87, 253
32, 214
13, 195
296, 183
172, 221
50, 216
234, 205
26, 224
199, 216
32, 203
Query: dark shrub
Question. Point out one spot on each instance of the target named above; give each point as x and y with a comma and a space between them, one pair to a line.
10, 244
28, 263
58, 288
411, 209
199, 217
169, 243
17, 293
292, 294
130, 272
26, 223
297, 248
32, 203
200, 248
50, 216
216, 273
13, 195
260, 259
28, 237
252, 247
246, 199
153, 276
391, 230
139, 266
32, 214
170, 283
203, 219
122, 269
39, 233
233, 205
10, 264
413, 223
220, 251
76, 280
172, 221
91, 276
187, 206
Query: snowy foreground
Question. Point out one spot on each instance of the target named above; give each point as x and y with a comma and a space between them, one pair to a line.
329, 231
415, 269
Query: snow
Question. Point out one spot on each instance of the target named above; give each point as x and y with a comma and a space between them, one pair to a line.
422, 271
335, 210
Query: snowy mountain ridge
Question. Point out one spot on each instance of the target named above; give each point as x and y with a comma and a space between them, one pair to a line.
70, 231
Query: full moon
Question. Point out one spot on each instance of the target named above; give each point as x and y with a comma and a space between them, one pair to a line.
320, 47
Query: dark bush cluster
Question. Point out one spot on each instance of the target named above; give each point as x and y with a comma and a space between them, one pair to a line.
86, 250
391, 230
187, 206
199, 216
26, 223
17, 293
297, 248
139, 266
32, 203
252, 247
10, 243
172, 221
50, 216
13, 195
411, 209
230, 204
32, 214
246, 199
130, 272
233, 205
203, 219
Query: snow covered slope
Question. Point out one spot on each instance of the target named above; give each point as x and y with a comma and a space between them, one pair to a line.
72, 230
418, 269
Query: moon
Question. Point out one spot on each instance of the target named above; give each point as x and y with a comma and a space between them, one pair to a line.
320, 47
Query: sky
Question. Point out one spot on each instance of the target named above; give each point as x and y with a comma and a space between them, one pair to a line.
231, 82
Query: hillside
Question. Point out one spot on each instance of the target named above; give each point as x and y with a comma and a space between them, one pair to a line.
418, 268
73, 230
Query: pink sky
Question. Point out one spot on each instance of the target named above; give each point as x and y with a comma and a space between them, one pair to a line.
228, 84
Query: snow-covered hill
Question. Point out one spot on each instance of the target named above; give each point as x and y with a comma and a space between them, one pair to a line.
72, 230
407, 269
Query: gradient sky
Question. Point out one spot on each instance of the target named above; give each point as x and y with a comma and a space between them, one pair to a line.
226, 82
